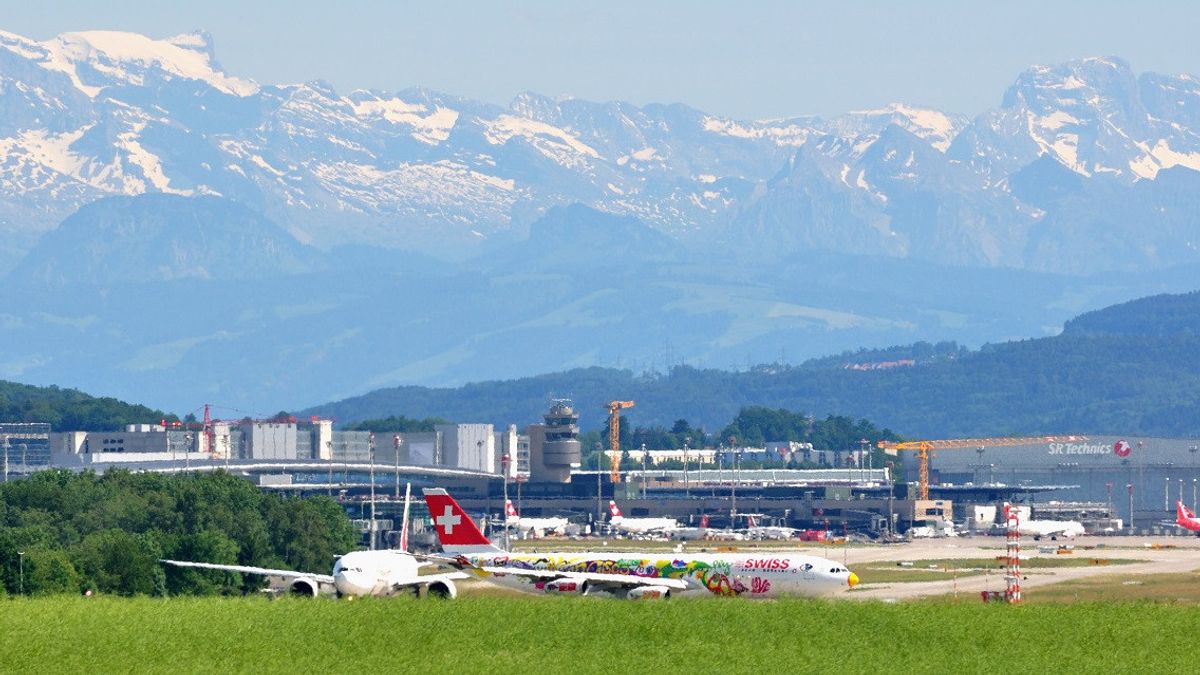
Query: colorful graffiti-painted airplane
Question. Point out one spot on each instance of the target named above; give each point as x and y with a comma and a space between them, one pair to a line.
630, 575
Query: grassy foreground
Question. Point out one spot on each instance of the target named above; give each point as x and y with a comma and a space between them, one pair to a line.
585, 635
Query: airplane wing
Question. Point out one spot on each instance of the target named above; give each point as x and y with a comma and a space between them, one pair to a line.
433, 578
290, 574
593, 578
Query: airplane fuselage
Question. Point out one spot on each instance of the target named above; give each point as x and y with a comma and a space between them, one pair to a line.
745, 575
373, 573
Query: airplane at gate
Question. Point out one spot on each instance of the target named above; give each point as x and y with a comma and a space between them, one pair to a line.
358, 573
1186, 519
636, 575
638, 525
1043, 528
539, 525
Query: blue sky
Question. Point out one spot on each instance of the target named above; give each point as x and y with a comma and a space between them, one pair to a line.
744, 59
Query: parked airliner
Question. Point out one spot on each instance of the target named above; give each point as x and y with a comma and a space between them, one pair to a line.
536, 525
359, 573
638, 525
631, 575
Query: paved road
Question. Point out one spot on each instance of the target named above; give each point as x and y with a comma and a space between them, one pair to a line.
1184, 558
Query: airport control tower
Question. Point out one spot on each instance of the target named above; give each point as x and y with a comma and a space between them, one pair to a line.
554, 447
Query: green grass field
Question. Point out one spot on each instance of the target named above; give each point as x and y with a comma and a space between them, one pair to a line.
587, 635
947, 568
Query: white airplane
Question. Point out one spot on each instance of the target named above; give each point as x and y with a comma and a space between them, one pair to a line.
638, 525
1186, 519
636, 575
687, 533
1037, 529
359, 573
537, 525
761, 532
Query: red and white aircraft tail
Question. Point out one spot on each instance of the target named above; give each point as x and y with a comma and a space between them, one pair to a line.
455, 529
704, 522
614, 511
510, 511
1185, 518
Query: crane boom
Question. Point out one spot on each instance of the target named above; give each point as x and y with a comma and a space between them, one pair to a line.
614, 436
924, 448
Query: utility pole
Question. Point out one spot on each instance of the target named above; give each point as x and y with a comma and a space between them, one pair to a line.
396, 449
329, 452
643, 470
687, 486
891, 481
1167, 494
1129, 487
371, 460
733, 483
504, 460
21, 563
599, 489
6, 458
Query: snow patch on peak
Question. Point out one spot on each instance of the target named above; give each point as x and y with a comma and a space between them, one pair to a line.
553, 142
118, 54
431, 128
781, 133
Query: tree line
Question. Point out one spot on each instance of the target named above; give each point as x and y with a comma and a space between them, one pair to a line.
82, 532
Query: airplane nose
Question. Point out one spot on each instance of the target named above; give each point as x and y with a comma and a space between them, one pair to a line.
852, 580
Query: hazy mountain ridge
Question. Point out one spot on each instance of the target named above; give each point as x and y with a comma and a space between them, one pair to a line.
1084, 381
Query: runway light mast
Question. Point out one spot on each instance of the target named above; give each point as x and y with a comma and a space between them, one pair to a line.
1012, 577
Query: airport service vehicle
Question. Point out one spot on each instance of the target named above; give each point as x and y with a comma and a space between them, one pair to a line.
1043, 528
359, 573
632, 575
638, 525
538, 526
1186, 519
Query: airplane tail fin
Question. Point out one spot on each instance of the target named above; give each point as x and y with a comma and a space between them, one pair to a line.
614, 511
404, 523
510, 511
704, 521
456, 531
1182, 512
750, 522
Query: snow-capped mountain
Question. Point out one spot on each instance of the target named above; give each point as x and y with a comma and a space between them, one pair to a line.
94, 114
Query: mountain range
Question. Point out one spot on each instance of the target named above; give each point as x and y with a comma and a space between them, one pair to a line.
174, 232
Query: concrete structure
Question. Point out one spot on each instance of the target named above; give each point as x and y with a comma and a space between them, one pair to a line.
1099, 469
655, 457
469, 446
554, 448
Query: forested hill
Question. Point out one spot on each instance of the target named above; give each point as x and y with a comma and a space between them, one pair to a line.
1094, 378
69, 409
1160, 315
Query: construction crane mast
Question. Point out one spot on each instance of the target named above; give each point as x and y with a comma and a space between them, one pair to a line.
614, 436
925, 448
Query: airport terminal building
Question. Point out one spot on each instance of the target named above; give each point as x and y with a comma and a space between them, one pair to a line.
1102, 469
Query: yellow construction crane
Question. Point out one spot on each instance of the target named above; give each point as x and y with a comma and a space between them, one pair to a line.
924, 448
614, 436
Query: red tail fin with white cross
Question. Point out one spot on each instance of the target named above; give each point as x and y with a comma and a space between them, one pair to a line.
455, 529
613, 511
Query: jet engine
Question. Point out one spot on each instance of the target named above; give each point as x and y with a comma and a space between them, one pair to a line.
443, 590
649, 593
566, 587
304, 587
